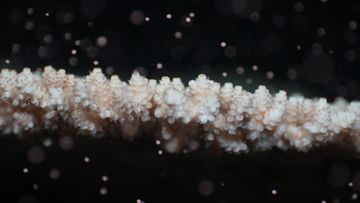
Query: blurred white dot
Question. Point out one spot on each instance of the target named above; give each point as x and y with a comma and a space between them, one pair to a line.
224, 74
178, 35
7, 61
291, 73
103, 191
15, 48
77, 42
109, 70
323, 1
67, 36
147, 19
104, 178
137, 17
73, 61
188, 19
350, 184
48, 39
255, 67
160, 152
35, 155
274, 192
269, 75
73, 52
354, 196
47, 14
35, 186
168, 16
25, 170
96, 62
323, 201
86, 159
47, 142
158, 142
321, 31
206, 187
299, 7
240, 70
101, 41
353, 25
29, 25
192, 14
30, 11
159, 65
223, 44
298, 47
54, 174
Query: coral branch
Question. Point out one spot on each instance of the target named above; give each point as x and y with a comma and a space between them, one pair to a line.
178, 116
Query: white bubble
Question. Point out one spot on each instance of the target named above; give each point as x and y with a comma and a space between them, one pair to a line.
160, 152
47, 142
73, 52
7, 61
168, 16
192, 14
223, 44
188, 19
147, 19
274, 192
224, 74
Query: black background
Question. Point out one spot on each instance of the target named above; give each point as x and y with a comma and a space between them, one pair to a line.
267, 34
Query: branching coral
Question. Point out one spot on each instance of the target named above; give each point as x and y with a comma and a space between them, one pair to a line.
178, 116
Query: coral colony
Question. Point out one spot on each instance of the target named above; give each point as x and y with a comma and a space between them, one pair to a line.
178, 116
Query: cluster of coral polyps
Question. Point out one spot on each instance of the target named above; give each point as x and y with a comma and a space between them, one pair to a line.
179, 117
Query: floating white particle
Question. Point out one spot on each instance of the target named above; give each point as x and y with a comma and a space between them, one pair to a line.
168, 16
103, 191
7, 61
86, 159
354, 196
73, 52
192, 14
255, 67
25, 170
96, 62
350, 184
224, 74
30, 11
188, 19
223, 44
159, 65
147, 19
104, 178
178, 35
54, 174
35, 186
157, 142
47, 14
269, 75
160, 152
274, 192
240, 70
